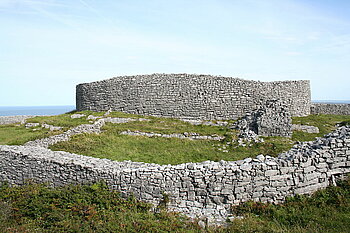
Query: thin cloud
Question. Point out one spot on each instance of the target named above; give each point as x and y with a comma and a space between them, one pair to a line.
55, 17
292, 53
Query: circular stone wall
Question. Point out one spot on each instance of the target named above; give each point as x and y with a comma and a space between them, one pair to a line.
190, 96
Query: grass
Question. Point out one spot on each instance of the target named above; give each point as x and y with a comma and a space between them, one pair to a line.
325, 123
95, 208
63, 120
110, 144
81, 208
159, 150
18, 134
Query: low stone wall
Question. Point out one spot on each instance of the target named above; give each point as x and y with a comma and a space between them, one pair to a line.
189, 136
4, 120
206, 189
335, 109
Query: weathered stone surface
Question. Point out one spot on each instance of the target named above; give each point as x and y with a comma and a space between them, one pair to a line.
30, 125
4, 120
272, 118
190, 136
206, 122
336, 109
305, 128
74, 116
190, 96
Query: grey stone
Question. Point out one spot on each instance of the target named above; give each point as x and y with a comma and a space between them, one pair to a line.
74, 116
190, 96
5, 120
325, 108
305, 128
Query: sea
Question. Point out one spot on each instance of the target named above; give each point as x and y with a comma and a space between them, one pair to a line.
56, 110
35, 110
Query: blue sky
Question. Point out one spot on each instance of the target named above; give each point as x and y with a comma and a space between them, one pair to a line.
49, 46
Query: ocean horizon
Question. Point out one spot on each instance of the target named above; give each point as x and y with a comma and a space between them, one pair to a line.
60, 109
35, 110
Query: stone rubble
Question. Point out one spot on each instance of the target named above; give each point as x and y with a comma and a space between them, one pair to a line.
203, 122
190, 136
74, 116
305, 128
247, 137
92, 117
31, 125
46, 126
51, 127
5, 120
272, 118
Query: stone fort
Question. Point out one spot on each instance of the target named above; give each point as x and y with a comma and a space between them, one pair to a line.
207, 189
190, 96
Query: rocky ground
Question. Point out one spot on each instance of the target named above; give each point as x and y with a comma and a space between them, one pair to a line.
4, 120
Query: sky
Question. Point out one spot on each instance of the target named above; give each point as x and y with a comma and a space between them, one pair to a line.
47, 47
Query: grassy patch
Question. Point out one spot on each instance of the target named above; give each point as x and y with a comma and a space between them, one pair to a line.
81, 208
63, 120
167, 126
144, 149
110, 144
18, 134
325, 123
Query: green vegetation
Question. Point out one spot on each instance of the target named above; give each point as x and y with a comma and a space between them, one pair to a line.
18, 134
110, 144
325, 123
95, 208
81, 208
63, 120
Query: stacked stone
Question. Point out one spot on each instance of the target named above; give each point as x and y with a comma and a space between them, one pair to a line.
46, 126
335, 109
4, 120
206, 189
190, 96
305, 128
203, 122
272, 118
190, 135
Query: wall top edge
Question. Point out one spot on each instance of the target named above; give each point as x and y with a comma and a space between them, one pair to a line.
319, 103
185, 75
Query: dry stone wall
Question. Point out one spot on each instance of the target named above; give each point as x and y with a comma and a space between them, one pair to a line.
271, 119
190, 96
206, 189
336, 109
4, 120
